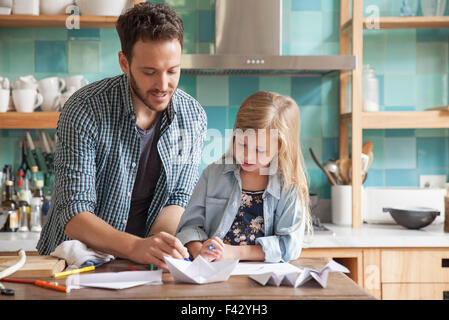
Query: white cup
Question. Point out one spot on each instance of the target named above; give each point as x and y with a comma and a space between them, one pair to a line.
26, 7
77, 82
54, 6
51, 84
4, 99
26, 82
341, 204
51, 100
4, 83
26, 100
65, 96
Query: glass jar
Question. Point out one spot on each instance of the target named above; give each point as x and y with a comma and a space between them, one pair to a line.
36, 215
370, 90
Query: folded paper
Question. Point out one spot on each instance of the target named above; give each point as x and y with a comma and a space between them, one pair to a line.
114, 280
200, 271
298, 278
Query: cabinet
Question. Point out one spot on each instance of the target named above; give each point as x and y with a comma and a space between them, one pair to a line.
351, 35
394, 273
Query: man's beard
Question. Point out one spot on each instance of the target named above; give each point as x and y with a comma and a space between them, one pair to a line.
140, 95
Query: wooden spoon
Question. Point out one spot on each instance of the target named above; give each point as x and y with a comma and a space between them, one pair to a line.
344, 165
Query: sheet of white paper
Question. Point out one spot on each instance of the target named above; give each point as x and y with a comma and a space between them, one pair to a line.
251, 268
200, 271
114, 280
298, 278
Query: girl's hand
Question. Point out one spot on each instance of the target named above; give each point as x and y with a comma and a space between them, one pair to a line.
212, 249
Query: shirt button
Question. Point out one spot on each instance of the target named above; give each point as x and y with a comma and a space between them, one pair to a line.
133, 164
124, 221
221, 233
234, 204
129, 194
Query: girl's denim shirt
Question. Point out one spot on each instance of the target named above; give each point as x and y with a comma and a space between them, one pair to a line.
215, 202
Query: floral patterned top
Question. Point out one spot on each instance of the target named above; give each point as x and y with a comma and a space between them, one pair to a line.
248, 224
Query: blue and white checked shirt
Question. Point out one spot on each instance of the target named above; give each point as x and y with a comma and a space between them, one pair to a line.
98, 152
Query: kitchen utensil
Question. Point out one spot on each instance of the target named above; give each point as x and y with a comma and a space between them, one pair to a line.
332, 167
4, 99
103, 7
76, 82
433, 7
413, 217
35, 266
25, 82
341, 204
54, 6
26, 7
26, 100
344, 167
4, 83
329, 176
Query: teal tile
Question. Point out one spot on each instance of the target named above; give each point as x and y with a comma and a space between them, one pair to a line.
432, 35
374, 51
331, 26
375, 178
306, 90
205, 4
189, 19
318, 183
396, 87
84, 34
330, 5
400, 133
330, 125
330, 149
213, 148
84, 56
432, 57
301, 5
232, 114
109, 57
378, 151
17, 34
432, 152
306, 26
50, 34
400, 51
109, 34
317, 147
330, 48
18, 56
179, 3
213, 90
205, 48
206, 26
431, 91
309, 125
401, 178
306, 49
241, 88
400, 153
281, 85
188, 84
216, 118
427, 133
394, 7
51, 56
330, 91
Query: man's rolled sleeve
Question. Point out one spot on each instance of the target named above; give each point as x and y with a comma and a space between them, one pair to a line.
75, 162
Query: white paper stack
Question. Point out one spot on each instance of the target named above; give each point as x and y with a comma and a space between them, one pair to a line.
200, 271
114, 280
298, 278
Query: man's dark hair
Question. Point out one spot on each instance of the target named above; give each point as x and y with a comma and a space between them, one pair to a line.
148, 21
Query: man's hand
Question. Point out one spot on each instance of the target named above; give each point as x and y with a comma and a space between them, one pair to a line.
153, 249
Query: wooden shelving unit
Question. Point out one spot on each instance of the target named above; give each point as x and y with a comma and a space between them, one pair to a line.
33, 120
351, 32
54, 21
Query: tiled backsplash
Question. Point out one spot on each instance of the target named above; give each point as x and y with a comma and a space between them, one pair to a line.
412, 67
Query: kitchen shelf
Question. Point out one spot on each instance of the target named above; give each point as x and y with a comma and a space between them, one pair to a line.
401, 23
54, 21
401, 119
351, 36
33, 120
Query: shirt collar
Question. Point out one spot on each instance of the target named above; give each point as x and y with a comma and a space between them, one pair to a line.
274, 181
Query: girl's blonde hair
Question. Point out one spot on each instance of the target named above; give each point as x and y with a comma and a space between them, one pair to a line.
269, 110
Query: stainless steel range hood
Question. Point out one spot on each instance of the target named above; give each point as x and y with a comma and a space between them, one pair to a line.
248, 41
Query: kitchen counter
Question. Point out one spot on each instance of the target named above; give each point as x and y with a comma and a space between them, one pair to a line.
369, 236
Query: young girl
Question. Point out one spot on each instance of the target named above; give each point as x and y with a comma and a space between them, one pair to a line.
252, 204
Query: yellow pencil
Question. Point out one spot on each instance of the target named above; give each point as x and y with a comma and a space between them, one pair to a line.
69, 272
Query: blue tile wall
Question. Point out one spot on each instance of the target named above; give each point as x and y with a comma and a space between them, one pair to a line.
412, 67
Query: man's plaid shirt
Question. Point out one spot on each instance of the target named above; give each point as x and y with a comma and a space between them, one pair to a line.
98, 152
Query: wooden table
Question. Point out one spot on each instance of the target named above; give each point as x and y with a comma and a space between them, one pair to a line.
339, 286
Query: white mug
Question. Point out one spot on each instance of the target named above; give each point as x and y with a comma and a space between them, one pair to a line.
26, 100
4, 100
54, 6
65, 96
26, 82
4, 83
77, 82
51, 84
50, 100
26, 7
